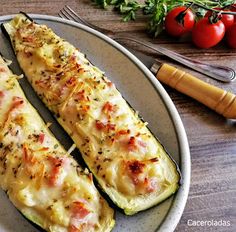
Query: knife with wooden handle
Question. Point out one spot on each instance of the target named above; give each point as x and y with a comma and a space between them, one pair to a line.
215, 98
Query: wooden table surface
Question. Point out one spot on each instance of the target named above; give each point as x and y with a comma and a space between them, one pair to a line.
212, 138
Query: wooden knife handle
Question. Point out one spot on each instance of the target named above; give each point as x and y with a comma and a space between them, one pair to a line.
217, 99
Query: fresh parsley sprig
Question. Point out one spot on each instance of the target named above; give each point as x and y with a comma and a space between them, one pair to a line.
128, 8
125, 7
156, 9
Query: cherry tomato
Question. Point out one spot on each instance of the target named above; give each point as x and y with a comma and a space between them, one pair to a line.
227, 19
231, 36
206, 34
233, 8
179, 21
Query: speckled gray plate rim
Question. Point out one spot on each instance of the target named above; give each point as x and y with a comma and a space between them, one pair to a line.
178, 201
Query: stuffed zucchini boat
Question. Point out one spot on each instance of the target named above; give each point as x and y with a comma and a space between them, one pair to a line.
41, 179
129, 163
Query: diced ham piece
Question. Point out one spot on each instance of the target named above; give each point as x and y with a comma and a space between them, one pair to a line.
41, 137
105, 126
78, 213
2, 69
57, 164
79, 210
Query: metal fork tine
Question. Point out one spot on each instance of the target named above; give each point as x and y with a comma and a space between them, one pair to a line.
67, 14
79, 19
62, 15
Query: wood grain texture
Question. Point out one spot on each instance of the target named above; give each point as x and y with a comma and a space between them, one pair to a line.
212, 138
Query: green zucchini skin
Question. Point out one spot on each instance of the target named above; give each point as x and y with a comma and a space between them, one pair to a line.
123, 208
26, 15
5, 33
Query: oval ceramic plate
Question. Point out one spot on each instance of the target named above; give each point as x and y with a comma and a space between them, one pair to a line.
140, 88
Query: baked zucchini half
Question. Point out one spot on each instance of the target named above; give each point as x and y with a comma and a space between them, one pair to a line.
41, 179
129, 163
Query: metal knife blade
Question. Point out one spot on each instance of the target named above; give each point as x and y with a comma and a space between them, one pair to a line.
148, 61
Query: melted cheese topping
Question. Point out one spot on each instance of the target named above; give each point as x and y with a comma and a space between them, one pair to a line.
116, 145
42, 180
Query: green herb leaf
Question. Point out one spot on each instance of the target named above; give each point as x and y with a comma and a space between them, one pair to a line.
102, 3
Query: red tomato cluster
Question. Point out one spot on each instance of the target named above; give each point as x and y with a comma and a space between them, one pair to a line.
208, 31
